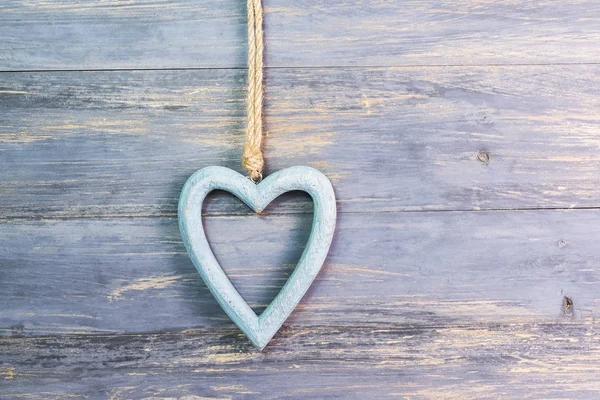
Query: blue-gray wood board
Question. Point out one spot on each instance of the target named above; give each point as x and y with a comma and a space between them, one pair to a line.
462, 139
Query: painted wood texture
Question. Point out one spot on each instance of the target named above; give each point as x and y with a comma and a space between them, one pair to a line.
67, 34
401, 139
446, 361
258, 327
132, 275
461, 138
468, 306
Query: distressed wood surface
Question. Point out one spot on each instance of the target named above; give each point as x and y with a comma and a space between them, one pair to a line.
133, 275
258, 327
403, 139
461, 138
469, 305
529, 360
67, 34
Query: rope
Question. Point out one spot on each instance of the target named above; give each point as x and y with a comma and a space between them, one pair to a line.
252, 157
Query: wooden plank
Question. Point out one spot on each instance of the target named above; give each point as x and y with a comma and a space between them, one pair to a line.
455, 361
67, 34
391, 139
89, 276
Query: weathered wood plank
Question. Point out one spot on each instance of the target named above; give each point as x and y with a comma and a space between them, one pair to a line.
415, 304
422, 361
133, 275
67, 34
391, 139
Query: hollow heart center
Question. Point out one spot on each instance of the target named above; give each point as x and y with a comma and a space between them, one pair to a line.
258, 252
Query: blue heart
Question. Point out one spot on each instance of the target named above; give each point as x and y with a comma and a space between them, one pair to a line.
259, 329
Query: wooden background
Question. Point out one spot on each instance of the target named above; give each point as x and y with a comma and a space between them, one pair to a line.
462, 139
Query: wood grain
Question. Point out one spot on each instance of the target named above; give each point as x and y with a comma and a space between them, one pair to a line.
133, 275
101, 34
448, 305
461, 138
423, 361
393, 139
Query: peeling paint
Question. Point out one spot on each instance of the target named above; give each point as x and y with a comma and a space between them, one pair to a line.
143, 284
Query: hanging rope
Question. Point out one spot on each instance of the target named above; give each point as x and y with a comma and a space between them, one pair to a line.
252, 157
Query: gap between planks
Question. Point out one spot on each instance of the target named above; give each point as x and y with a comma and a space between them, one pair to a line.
249, 214
329, 67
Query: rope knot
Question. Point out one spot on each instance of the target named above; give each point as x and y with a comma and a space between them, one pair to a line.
253, 161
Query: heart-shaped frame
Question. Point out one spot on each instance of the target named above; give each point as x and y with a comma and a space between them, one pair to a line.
259, 329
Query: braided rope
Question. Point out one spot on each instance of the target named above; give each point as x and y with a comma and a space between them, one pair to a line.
252, 157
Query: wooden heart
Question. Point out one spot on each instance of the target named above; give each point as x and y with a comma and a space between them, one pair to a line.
259, 329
